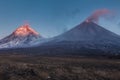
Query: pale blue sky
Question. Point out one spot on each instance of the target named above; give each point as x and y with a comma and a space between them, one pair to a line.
52, 17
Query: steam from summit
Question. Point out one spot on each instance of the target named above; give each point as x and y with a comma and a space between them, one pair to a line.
96, 15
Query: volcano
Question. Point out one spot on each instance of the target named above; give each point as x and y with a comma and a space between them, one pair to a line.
87, 38
22, 36
88, 31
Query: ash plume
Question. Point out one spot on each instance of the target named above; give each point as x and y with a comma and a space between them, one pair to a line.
97, 14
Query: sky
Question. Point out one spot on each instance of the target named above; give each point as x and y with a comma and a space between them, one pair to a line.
53, 17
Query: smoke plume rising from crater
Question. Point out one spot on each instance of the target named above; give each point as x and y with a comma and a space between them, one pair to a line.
96, 15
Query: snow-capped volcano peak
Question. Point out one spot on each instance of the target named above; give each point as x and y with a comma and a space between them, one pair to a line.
24, 35
25, 30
